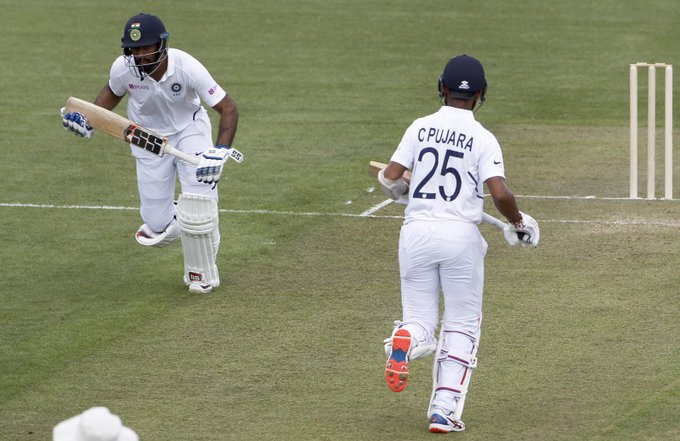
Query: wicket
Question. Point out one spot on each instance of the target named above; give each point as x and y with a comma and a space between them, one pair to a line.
651, 129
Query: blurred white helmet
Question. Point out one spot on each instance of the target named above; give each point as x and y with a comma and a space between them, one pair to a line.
95, 424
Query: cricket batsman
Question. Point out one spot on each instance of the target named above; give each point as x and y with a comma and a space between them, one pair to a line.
452, 158
166, 91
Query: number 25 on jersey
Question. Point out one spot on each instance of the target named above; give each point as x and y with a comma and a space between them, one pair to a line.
436, 171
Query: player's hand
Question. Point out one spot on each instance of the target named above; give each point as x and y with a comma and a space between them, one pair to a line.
526, 233
393, 189
76, 122
209, 169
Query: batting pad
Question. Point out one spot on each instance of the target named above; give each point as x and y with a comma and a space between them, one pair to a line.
451, 371
198, 218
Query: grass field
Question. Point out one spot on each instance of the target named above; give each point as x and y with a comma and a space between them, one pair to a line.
580, 337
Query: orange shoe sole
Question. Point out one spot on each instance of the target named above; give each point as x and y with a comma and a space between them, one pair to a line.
396, 368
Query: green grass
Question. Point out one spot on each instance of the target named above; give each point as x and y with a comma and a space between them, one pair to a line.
579, 340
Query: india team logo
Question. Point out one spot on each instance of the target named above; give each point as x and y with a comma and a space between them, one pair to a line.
135, 33
176, 88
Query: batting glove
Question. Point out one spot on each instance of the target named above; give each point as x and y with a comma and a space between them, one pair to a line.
394, 189
76, 122
525, 233
209, 168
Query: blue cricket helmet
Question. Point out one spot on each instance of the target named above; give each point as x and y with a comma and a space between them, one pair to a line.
143, 30
464, 76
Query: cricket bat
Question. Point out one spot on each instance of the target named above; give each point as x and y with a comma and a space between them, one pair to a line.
122, 128
374, 167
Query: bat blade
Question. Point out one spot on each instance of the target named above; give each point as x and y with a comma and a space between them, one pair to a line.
374, 168
99, 118
122, 128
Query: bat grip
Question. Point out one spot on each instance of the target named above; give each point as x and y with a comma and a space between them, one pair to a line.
191, 159
493, 221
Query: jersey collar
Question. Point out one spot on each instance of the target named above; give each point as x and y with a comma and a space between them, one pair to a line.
171, 66
455, 111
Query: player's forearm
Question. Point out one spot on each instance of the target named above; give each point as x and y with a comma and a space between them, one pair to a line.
107, 99
228, 124
504, 199
507, 206
395, 171
227, 129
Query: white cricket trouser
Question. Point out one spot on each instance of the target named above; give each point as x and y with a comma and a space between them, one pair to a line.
156, 176
446, 256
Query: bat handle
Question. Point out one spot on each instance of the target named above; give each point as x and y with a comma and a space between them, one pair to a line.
191, 159
493, 221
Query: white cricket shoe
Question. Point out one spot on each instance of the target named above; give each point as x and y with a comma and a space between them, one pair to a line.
200, 287
147, 237
421, 346
442, 421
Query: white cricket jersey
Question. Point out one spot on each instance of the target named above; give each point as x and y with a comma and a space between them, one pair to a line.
450, 155
167, 106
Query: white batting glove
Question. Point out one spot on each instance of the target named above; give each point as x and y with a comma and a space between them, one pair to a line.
209, 168
76, 123
526, 233
394, 189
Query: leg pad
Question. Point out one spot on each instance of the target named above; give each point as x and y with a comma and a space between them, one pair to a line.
197, 216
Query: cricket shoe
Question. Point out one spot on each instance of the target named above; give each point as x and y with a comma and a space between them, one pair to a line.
196, 283
147, 237
443, 422
396, 368
421, 346
200, 287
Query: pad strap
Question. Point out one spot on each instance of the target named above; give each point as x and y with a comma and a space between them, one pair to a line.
467, 360
459, 347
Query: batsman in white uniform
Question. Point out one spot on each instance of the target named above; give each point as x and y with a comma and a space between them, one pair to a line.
165, 89
451, 156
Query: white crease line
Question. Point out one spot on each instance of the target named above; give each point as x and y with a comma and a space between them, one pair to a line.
604, 222
594, 198
222, 210
377, 207
367, 213
74, 207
